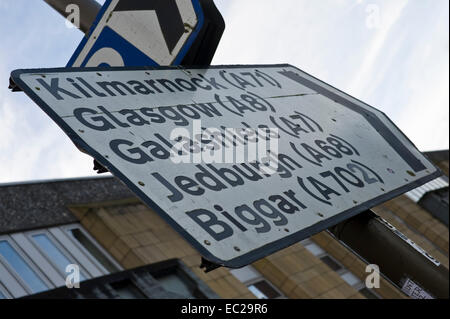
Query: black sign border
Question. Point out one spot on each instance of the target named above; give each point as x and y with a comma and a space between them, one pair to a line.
257, 253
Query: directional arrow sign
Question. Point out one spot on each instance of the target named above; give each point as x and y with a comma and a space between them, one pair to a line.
241, 160
148, 33
167, 13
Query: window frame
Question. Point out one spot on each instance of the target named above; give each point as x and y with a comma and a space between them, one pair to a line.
10, 282
30, 263
4, 292
40, 260
200, 289
342, 271
43, 267
67, 228
372, 291
173, 268
115, 286
257, 277
339, 271
256, 280
58, 246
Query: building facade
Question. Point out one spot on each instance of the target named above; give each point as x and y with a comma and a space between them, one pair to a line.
95, 230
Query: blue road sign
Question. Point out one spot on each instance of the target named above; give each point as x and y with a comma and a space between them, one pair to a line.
140, 33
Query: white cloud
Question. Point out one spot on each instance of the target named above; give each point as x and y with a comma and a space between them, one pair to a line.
427, 118
30, 153
368, 76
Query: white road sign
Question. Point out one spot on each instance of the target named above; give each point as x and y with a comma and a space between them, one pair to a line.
136, 32
240, 160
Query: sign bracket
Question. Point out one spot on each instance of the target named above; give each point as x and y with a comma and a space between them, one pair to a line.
13, 86
208, 265
99, 168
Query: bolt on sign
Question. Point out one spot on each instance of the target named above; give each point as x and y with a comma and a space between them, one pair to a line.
241, 160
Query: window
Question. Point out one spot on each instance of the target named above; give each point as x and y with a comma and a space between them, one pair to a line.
58, 258
369, 293
331, 262
3, 292
175, 278
23, 269
349, 278
354, 281
317, 251
344, 273
436, 203
36, 261
313, 248
125, 289
176, 284
263, 290
78, 235
433, 197
256, 283
167, 279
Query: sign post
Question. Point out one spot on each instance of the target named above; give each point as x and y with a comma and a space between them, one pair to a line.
241, 160
88, 10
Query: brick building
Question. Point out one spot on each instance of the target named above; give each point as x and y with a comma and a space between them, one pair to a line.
125, 250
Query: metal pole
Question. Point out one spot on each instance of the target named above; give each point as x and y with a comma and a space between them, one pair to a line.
88, 10
398, 258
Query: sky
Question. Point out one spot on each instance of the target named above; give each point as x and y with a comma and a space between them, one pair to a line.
391, 54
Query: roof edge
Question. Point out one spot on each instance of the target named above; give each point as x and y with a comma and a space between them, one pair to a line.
56, 180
